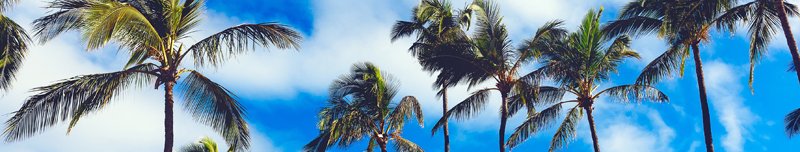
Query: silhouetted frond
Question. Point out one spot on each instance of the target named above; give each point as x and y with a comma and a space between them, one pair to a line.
568, 129
534, 124
236, 40
792, 122
217, 107
72, 99
465, 109
662, 66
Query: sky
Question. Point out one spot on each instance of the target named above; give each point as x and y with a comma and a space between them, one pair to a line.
282, 90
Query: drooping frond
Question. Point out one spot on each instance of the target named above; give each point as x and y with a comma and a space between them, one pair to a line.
237, 40
638, 93
661, 67
567, 130
6, 4
635, 26
205, 144
217, 107
792, 122
72, 99
14, 44
403, 145
465, 109
534, 124
68, 16
318, 144
408, 108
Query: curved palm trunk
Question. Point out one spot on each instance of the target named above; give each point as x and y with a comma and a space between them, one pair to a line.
168, 106
787, 32
503, 119
703, 98
446, 130
590, 117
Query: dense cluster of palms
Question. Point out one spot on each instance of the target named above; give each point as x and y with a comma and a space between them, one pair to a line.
468, 46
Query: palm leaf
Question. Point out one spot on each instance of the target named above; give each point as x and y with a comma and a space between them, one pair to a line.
567, 131
236, 40
14, 44
70, 16
406, 109
217, 107
792, 122
71, 99
534, 124
205, 144
625, 93
467, 108
403, 145
663, 65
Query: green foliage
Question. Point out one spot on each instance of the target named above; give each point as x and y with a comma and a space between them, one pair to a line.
359, 107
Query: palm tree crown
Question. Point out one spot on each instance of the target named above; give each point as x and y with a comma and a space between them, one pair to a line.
489, 55
577, 64
151, 31
360, 106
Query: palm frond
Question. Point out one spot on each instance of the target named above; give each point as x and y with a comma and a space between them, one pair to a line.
567, 131
6, 4
792, 122
112, 20
662, 66
465, 109
217, 107
318, 144
626, 93
14, 43
534, 124
72, 99
69, 16
205, 144
237, 40
408, 108
634, 26
403, 145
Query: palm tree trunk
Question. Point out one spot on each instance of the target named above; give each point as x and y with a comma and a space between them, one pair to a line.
787, 32
590, 117
503, 119
698, 67
444, 111
168, 105
382, 144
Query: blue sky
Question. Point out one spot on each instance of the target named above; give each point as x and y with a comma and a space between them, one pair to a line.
282, 90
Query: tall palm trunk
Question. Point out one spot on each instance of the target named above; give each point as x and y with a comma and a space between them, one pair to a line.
446, 130
168, 106
787, 32
503, 119
382, 144
698, 67
590, 117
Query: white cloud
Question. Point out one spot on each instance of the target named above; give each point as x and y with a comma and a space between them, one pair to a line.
723, 90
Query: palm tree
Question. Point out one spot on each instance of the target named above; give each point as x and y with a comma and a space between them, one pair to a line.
151, 31
491, 56
684, 24
14, 42
205, 144
360, 106
439, 31
578, 64
763, 18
